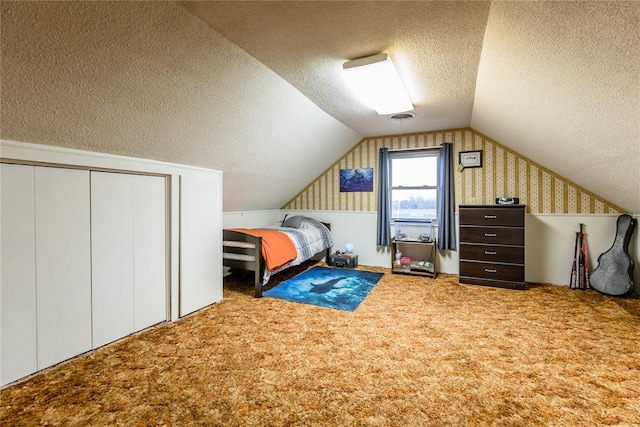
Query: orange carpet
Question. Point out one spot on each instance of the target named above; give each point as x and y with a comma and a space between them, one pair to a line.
417, 352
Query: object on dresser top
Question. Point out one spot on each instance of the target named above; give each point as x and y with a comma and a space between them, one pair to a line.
507, 201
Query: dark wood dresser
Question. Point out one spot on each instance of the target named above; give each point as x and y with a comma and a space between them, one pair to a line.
492, 245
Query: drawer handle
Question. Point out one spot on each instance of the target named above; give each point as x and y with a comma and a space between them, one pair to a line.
490, 270
490, 253
490, 217
490, 234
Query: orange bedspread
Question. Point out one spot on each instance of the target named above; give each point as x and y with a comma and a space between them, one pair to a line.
277, 248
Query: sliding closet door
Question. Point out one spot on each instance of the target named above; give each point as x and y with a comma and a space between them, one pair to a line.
63, 264
200, 241
112, 256
128, 218
18, 273
149, 251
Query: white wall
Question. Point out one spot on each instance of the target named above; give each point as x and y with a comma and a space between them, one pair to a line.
359, 228
549, 240
251, 219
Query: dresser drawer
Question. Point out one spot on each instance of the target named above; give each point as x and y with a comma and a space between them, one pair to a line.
492, 235
490, 253
494, 283
485, 270
492, 216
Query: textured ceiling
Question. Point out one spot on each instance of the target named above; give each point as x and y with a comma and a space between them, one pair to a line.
436, 47
254, 88
555, 81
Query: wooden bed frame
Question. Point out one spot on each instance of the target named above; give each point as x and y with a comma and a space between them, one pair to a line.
252, 247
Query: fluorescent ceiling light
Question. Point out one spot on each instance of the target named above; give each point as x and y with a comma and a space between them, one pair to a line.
377, 83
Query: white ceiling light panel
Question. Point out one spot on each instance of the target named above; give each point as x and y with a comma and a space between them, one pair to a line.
377, 83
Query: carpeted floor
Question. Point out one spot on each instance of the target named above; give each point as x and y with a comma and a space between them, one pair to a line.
417, 352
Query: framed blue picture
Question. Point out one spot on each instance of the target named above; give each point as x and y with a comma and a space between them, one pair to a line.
356, 180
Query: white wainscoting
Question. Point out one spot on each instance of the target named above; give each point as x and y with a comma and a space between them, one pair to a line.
252, 219
549, 238
200, 241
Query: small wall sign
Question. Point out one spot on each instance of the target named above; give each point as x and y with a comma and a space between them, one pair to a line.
470, 159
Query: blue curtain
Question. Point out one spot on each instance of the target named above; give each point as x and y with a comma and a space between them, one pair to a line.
446, 199
384, 199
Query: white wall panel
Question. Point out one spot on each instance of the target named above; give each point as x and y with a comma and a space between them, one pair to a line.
17, 273
112, 256
549, 241
252, 219
149, 251
63, 264
549, 244
201, 241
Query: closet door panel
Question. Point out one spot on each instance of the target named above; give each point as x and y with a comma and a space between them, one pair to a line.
63, 264
112, 256
200, 241
149, 251
18, 356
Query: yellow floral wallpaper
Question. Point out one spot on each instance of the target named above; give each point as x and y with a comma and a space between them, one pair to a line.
503, 173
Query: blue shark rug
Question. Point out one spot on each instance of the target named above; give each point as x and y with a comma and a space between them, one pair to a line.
328, 287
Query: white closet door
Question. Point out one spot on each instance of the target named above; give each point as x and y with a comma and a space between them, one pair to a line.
112, 256
63, 264
149, 251
200, 241
18, 356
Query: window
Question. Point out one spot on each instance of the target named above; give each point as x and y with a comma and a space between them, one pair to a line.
414, 184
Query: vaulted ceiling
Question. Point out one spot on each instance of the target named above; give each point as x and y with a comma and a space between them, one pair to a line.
254, 88
436, 47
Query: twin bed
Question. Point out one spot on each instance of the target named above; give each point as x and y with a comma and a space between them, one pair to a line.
272, 249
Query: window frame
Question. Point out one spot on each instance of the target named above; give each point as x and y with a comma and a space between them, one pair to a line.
412, 153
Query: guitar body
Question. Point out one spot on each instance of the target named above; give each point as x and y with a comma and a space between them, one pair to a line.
614, 273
